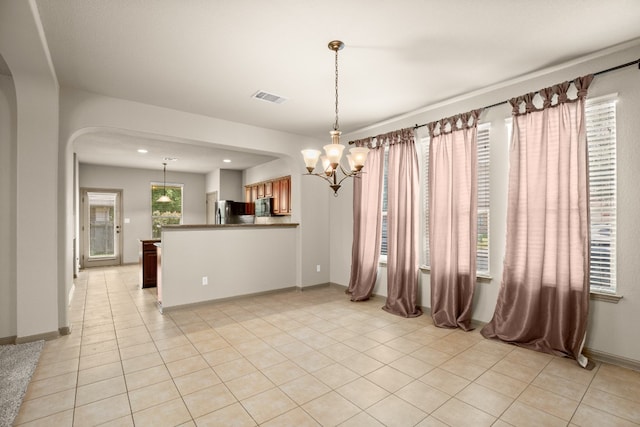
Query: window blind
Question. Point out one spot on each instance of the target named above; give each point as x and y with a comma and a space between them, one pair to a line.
482, 248
601, 137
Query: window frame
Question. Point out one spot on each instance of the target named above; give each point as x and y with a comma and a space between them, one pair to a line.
155, 185
598, 213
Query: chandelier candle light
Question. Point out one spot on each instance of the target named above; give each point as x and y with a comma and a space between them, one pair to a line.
333, 151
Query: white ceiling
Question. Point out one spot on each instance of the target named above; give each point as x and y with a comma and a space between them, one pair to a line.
209, 56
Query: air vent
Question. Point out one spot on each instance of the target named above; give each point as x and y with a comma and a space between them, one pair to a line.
269, 97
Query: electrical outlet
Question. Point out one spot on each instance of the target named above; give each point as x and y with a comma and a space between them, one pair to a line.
318, 268
205, 280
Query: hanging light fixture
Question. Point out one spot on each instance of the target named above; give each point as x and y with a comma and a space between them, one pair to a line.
333, 151
164, 198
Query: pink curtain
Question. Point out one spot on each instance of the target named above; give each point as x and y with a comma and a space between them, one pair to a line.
367, 224
452, 218
403, 232
544, 296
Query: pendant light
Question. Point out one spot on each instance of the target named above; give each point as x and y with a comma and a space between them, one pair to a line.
333, 151
164, 198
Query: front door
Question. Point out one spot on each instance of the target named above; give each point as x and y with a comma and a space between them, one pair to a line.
101, 228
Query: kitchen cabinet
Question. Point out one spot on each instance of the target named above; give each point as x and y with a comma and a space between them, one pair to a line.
148, 263
285, 196
279, 189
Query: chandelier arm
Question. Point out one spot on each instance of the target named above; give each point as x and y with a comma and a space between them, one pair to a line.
323, 176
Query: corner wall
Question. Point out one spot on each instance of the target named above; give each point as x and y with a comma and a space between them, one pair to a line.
8, 212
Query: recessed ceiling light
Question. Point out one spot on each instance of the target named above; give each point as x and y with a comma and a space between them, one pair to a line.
170, 159
227, 161
142, 150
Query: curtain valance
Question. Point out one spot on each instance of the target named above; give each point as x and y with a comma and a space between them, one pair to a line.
386, 139
453, 123
551, 96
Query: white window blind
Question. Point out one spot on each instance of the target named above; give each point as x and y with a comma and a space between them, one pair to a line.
482, 250
425, 200
601, 137
383, 240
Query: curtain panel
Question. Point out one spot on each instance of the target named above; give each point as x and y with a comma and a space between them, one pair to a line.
367, 224
403, 229
453, 218
544, 295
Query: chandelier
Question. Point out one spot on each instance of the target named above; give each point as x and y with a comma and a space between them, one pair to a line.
164, 198
333, 152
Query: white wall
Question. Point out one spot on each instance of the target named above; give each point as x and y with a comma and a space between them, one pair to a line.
136, 199
38, 290
310, 200
8, 212
611, 325
236, 261
231, 187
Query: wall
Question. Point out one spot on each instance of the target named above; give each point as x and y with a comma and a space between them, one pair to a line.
228, 184
136, 200
310, 201
231, 187
39, 302
236, 261
609, 330
8, 211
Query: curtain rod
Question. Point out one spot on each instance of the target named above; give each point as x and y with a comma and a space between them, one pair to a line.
608, 70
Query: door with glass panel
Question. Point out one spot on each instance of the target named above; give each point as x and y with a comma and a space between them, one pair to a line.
101, 228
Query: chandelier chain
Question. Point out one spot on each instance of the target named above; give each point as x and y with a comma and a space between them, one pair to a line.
335, 125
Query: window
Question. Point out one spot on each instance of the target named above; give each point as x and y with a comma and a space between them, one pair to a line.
164, 213
601, 137
383, 240
482, 249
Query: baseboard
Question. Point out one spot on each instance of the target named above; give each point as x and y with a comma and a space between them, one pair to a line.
225, 299
612, 359
309, 287
8, 340
47, 336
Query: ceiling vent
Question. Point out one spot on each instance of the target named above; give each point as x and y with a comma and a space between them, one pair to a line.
269, 97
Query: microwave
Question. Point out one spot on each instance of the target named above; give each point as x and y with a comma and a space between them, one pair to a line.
264, 207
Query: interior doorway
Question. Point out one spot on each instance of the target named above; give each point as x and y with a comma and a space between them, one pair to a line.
212, 198
100, 228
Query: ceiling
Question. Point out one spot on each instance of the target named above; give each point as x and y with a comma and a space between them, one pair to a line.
209, 56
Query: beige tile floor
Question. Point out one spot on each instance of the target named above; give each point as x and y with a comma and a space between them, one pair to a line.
300, 359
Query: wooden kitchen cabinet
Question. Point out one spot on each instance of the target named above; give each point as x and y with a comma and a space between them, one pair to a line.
285, 195
148, 263
279, 189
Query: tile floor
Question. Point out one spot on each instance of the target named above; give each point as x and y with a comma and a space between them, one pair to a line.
300, 359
